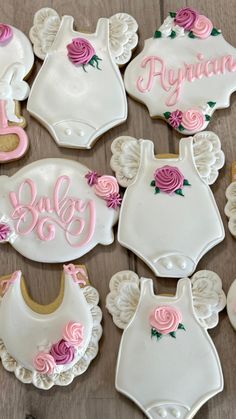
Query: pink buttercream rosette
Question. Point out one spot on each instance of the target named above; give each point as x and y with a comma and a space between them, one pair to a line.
168, 179
80, 51
6, 33
186, 17
202, 27
165, 319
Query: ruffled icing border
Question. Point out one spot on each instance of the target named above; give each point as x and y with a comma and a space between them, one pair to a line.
45, 381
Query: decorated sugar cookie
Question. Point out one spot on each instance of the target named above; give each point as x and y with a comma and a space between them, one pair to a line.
231, 304
163, 337
16, 61
230, 207
53, 344
80, 80
185, 72
161, 219
55, 210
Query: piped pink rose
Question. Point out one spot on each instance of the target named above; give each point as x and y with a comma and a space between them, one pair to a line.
74, 333
81, 52
44, 363
6, 33
170, 180
202, 27
186, 17
63, 352
165, 320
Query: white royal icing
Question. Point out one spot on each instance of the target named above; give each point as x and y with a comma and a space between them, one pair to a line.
148, 219
195, 76
231, 304
168, 376
208, 157
31, 332
55, 215
74, 103
16, 61
208, 297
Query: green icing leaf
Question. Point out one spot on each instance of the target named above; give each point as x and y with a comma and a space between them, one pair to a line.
94, 62
211, 104
173, 34
181, 128
167, 115
181, 326
179, 192
207, 117
153, 183
191, 35
172, 14
172, 334
215, 32
157, 34
186, 182
155, 333
157, 190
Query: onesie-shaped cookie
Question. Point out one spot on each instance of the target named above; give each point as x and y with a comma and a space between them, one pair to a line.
79, 93
55, 210
167, 362
185, 72
169, 217
16, 61
49, 345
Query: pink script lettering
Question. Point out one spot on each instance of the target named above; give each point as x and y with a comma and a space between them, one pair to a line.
172, 80
76, 217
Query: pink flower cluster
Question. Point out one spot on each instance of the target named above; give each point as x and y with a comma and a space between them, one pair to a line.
168, 179
62, 352
106, 187
190, 120
191, 20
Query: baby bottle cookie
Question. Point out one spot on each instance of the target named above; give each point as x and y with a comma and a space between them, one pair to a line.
162, 200
185, 72
16, 61
55, 210
80, 69
163, 336
59, 347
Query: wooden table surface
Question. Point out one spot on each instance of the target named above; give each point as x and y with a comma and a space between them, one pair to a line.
93, 395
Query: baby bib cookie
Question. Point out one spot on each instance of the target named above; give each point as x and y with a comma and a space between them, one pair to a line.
79, 93
162, 339
16, 61
185, 72
230, 207
55, 210
58, 341
162, 200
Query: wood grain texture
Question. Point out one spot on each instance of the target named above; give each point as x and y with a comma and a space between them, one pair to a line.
93, 396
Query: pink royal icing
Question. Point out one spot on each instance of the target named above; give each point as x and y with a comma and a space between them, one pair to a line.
4, 231
202, 27
105, 186
78, 274
5, 283
92, 178
6, 33
80, 51
172, 80
63, 352
193, 120
74, 333
44, 363
165, 319
186, 17
175, 118
64, 211
114, 201
168, 179
5, 129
